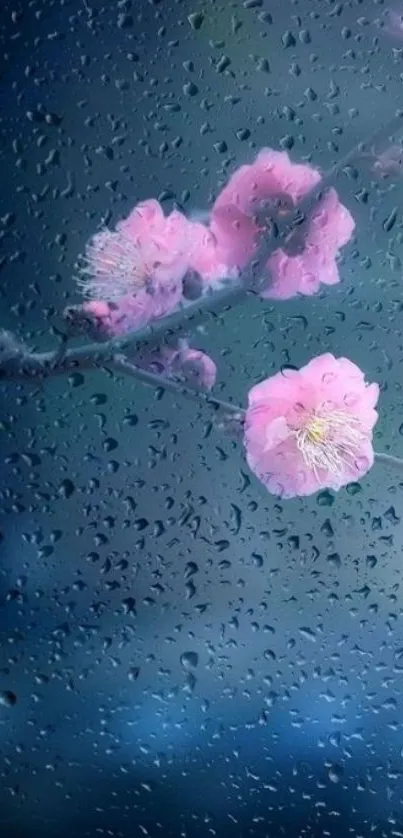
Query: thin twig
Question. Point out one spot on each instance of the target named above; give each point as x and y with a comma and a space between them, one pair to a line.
120, 362
31, 365
388, 459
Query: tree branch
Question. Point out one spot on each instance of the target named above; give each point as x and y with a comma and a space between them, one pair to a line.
18, 362
120, 362
388, 459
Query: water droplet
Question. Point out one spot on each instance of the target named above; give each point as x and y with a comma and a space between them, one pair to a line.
134, 673
109, 444
288, 39
196, 19
66, 489
8, 698
189, 660
325, 498
334, 559
190, 89
308, 633
371, 561
190, 589
335, 773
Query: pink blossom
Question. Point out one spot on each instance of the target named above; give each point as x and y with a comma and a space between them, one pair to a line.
389, 162
138, 268
311, 429
190, 366
135, 274
272, 175
274, 178
394, 23
330, 228
208, 257
163, 241
193, 366
106, 320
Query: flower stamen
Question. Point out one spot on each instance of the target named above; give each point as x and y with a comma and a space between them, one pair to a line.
111, 267
329, 440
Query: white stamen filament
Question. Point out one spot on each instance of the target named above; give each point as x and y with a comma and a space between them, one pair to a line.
111, 268
329, 440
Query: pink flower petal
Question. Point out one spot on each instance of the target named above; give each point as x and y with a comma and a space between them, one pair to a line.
232, 220
330, 228
195, 367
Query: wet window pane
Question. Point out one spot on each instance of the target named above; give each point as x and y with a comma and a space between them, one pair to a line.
200, 365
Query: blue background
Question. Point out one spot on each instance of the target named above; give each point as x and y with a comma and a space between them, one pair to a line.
254, 686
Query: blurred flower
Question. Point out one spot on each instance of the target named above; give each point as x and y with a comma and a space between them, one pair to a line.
104, 320
329, 228
189, 367
208, 258
394, 23
193, 366
390, 161
233, 216
274, 179
311, 429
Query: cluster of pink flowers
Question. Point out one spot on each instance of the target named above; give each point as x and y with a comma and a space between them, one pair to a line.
303, 430
134, 274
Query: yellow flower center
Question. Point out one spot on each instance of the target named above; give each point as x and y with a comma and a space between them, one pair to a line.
316, 429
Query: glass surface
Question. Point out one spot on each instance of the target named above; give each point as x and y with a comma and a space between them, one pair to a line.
182, 652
